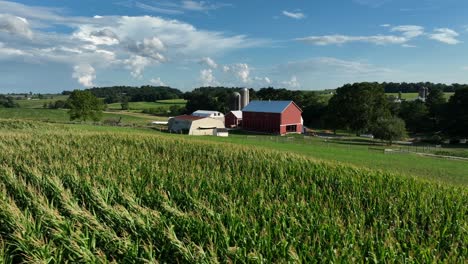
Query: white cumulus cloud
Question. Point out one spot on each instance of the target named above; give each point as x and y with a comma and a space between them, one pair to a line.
209, 62
157, 82
136, 64
84, 74
104, 36
292, 84
207, 78
240, 70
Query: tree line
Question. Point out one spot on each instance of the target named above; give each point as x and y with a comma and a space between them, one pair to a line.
391, 87
365, 108
147, 93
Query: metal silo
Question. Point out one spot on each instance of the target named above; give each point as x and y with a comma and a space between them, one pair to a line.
244, 97
237, 101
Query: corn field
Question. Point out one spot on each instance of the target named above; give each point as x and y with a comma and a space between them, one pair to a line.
98, 197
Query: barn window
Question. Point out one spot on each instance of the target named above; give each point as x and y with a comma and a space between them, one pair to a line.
292, 128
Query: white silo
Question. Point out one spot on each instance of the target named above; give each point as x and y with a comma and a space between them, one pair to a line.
237, 103
245, 98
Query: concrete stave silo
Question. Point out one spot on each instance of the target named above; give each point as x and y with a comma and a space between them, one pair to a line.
237, 101
244, 97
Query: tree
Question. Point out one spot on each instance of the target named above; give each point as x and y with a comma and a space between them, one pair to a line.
416, 115
457, 114
124, 103
7, 102
389, 129
356, 107
435, 103
84, 105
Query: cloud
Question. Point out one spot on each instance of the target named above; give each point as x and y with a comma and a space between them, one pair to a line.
322, 65
372, 3
136, 64
132, 43
295, 15
104, 36
174, 7
156, 9
84, 74
409, 31
343, 39
7, 52
207, 78
240, 70
465, 68
201, 5
209, 62
292, 84
149, 48
15, 25
262, 81
157, 82
445, 35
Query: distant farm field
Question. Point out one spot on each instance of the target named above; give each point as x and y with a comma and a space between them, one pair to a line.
39, 103
61, 115
70, 193
148, 105
412, 96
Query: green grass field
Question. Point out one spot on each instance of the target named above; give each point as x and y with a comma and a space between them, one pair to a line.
80, 193
61, 115
39, 103
148, 105
412, 96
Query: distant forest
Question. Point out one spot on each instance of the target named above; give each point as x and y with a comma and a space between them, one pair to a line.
414, 87
149, 93
146, 93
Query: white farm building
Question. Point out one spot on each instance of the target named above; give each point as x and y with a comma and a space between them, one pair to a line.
195, 125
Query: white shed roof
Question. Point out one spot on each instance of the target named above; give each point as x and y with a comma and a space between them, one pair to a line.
204, 113
237, 114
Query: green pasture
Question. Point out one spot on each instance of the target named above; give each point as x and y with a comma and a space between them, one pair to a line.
61, 115
412, 96
148, 105
39, 103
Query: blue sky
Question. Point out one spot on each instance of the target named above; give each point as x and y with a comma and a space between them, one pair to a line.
51, 46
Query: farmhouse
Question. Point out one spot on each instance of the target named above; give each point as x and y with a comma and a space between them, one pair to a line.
233, 119
194, 125
278, 117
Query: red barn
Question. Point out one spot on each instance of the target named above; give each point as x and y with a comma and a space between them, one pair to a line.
277, 117
233, 119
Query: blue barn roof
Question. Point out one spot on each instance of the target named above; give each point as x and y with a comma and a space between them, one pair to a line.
267, 106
